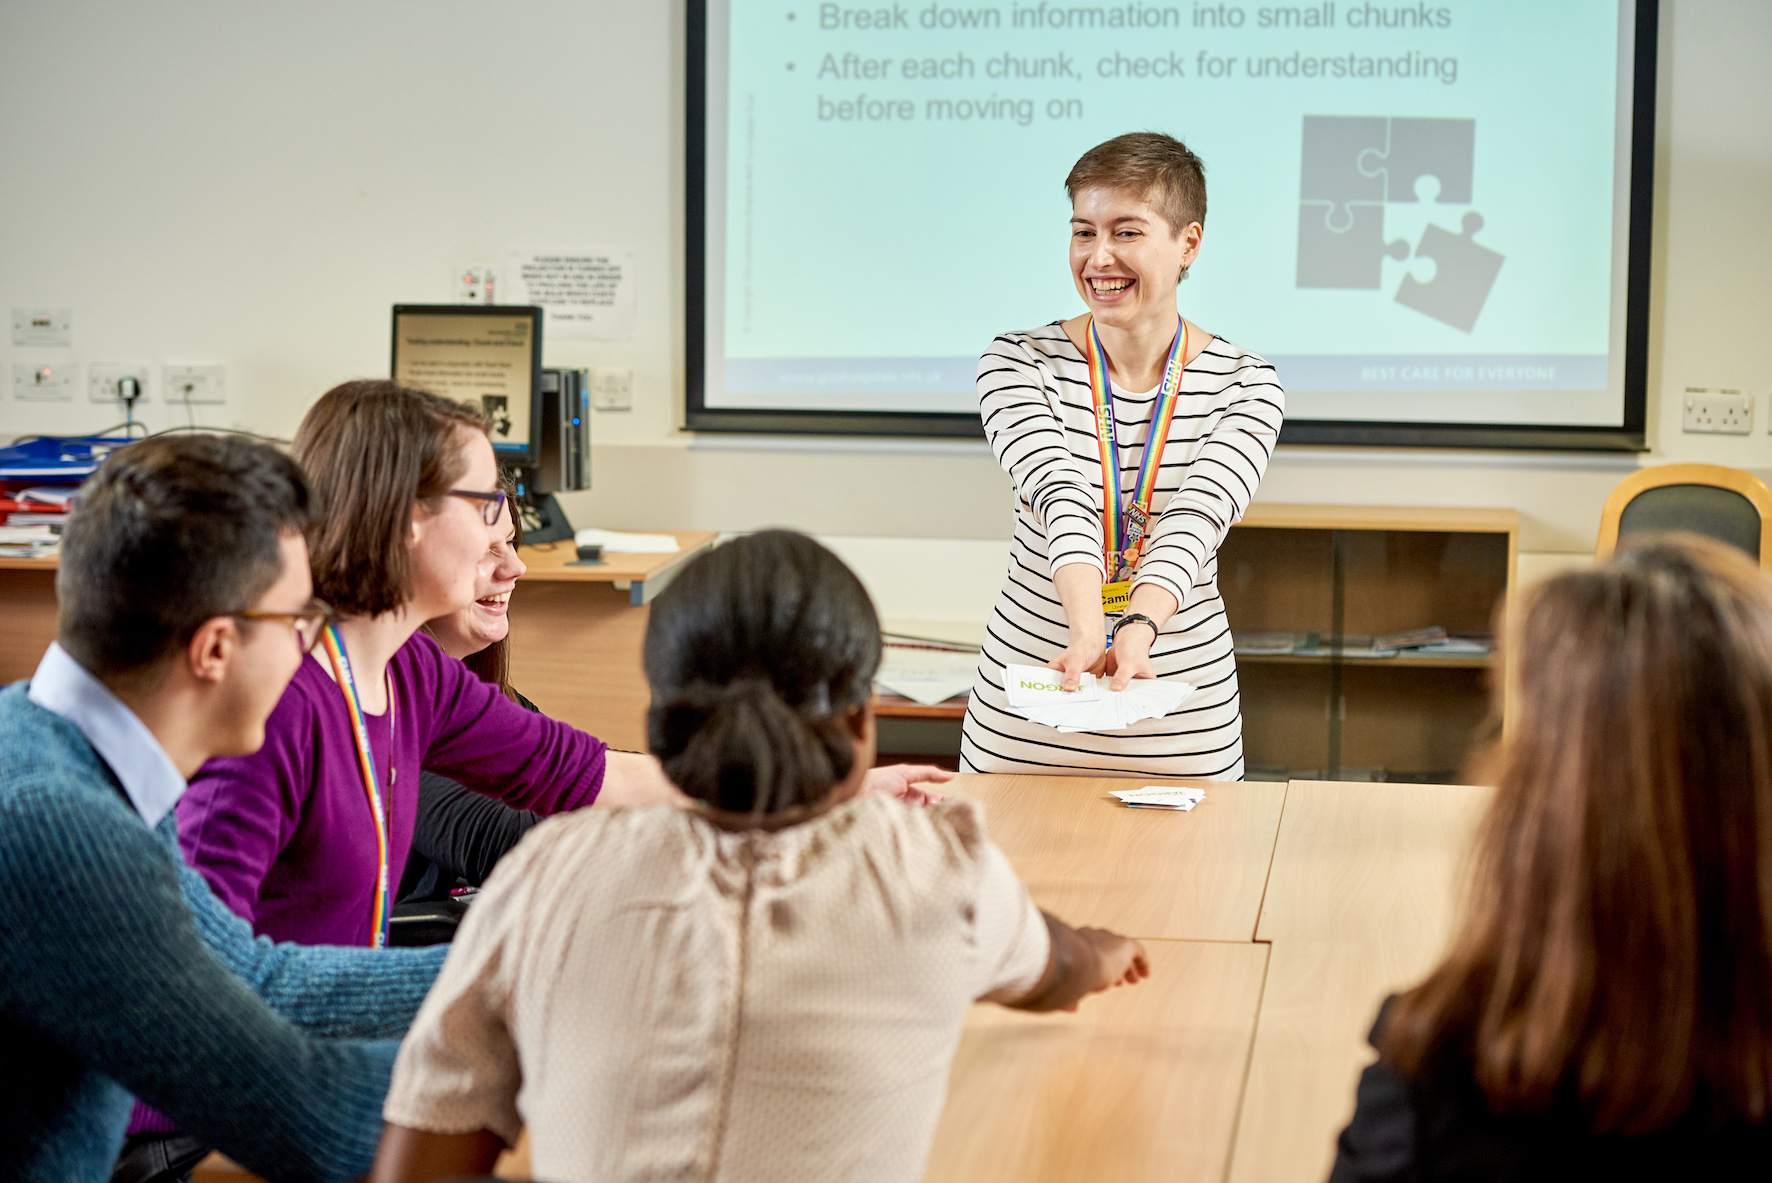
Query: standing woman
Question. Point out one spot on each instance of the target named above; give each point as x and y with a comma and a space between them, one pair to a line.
1119, 515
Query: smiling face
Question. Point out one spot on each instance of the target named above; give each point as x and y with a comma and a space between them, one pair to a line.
447, 542
1125, 259
484, 622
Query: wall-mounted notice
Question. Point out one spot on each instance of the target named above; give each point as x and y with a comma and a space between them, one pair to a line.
586, 292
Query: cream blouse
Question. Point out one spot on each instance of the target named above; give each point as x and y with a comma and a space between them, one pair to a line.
658, 999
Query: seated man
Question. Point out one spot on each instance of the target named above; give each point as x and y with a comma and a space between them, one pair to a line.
184, 611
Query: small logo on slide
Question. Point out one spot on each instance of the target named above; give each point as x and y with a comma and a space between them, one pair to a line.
1352, 167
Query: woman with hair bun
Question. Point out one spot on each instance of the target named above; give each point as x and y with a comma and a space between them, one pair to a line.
767, 986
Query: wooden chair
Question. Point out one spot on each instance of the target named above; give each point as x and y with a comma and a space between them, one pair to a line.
1723, 503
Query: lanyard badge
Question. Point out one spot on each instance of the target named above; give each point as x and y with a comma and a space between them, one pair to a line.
341, 670
1124, 528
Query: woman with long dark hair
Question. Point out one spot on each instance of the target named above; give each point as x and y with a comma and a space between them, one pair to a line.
767, 986
1606, 1009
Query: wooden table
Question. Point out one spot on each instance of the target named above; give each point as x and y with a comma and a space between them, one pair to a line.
1150, 873
1276, 916
1360, 903
576, 637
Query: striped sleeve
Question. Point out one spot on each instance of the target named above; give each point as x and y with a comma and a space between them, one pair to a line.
1219, 484
1028, 439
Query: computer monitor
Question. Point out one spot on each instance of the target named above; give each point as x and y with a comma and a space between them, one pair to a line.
487, 355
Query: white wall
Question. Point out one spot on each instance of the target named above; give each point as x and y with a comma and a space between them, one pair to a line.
256, 183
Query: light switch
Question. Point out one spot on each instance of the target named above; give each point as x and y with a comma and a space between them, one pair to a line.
39, 380
614, 390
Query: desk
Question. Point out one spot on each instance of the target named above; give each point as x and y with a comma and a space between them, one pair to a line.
1139, 1084
1237, 1060
1360, 903
27, 589
575, 639
1149, 873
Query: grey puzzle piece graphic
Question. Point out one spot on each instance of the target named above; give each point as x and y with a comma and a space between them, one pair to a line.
1347, 258
1464, 272
1333, 146
1441, 148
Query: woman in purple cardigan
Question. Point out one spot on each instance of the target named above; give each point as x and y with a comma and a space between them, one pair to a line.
306, 838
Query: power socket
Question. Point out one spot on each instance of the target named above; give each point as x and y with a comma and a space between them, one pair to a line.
47, 381
613, 390
102, 379
1714, 409
194, 382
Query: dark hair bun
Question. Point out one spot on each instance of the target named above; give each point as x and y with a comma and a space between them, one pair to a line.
741, 748
756, 653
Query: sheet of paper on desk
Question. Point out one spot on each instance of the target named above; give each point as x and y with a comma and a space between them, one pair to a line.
1162, 797
925, 675
617, 542
1034, 694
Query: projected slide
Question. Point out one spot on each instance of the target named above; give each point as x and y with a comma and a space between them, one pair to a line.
1416, 211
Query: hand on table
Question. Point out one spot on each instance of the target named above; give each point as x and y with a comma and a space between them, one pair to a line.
907, 782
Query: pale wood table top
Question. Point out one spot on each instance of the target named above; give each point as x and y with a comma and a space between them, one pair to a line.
557, 562
1237, 1060
1361, 901
1149, 873
1141, 1083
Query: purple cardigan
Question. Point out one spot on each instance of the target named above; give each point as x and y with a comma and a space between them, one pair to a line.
285, 836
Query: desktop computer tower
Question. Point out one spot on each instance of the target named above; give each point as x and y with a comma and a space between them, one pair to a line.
564, 464
563, 457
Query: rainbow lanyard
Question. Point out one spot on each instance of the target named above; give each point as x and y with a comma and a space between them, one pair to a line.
341, 670
1123, 530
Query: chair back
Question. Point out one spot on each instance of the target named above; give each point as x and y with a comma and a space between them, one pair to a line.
1727, 504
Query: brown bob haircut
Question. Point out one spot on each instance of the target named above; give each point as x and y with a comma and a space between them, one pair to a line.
374, 450
1157, 168
1617, 952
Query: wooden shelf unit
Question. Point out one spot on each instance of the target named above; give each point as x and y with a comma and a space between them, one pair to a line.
1344, 571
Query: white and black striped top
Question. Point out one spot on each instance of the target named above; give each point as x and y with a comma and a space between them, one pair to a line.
1034, 398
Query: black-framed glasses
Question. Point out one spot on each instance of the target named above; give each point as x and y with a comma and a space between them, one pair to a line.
490, 503
307, 624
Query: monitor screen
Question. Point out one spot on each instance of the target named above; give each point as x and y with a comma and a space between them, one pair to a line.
1431, 218
488, 357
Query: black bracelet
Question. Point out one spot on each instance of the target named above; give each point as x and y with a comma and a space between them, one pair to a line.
1138, 618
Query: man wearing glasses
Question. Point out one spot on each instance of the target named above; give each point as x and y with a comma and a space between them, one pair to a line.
185, 608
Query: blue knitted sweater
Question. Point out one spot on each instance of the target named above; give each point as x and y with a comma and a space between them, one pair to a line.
120, 974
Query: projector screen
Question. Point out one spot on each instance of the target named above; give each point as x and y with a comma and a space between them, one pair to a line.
1432, 218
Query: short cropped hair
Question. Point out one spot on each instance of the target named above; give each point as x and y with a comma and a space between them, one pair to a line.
374, 449
1158, 168
169, 533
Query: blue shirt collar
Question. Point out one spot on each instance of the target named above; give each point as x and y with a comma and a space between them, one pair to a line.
121, 739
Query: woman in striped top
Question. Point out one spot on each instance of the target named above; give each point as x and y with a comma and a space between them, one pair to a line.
1138, 208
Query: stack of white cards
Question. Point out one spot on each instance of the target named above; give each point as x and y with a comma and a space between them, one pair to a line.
1161, 797
1035, 694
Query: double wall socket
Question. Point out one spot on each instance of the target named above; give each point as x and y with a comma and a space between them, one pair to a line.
102, 379
195, 382
1714, 409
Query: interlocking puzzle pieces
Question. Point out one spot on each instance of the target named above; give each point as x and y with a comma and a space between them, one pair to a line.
1464, 273
1347, 257
1333, 148
1444, 149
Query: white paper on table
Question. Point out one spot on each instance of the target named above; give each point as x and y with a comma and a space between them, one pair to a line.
1162, 796
617, 542
927, 676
